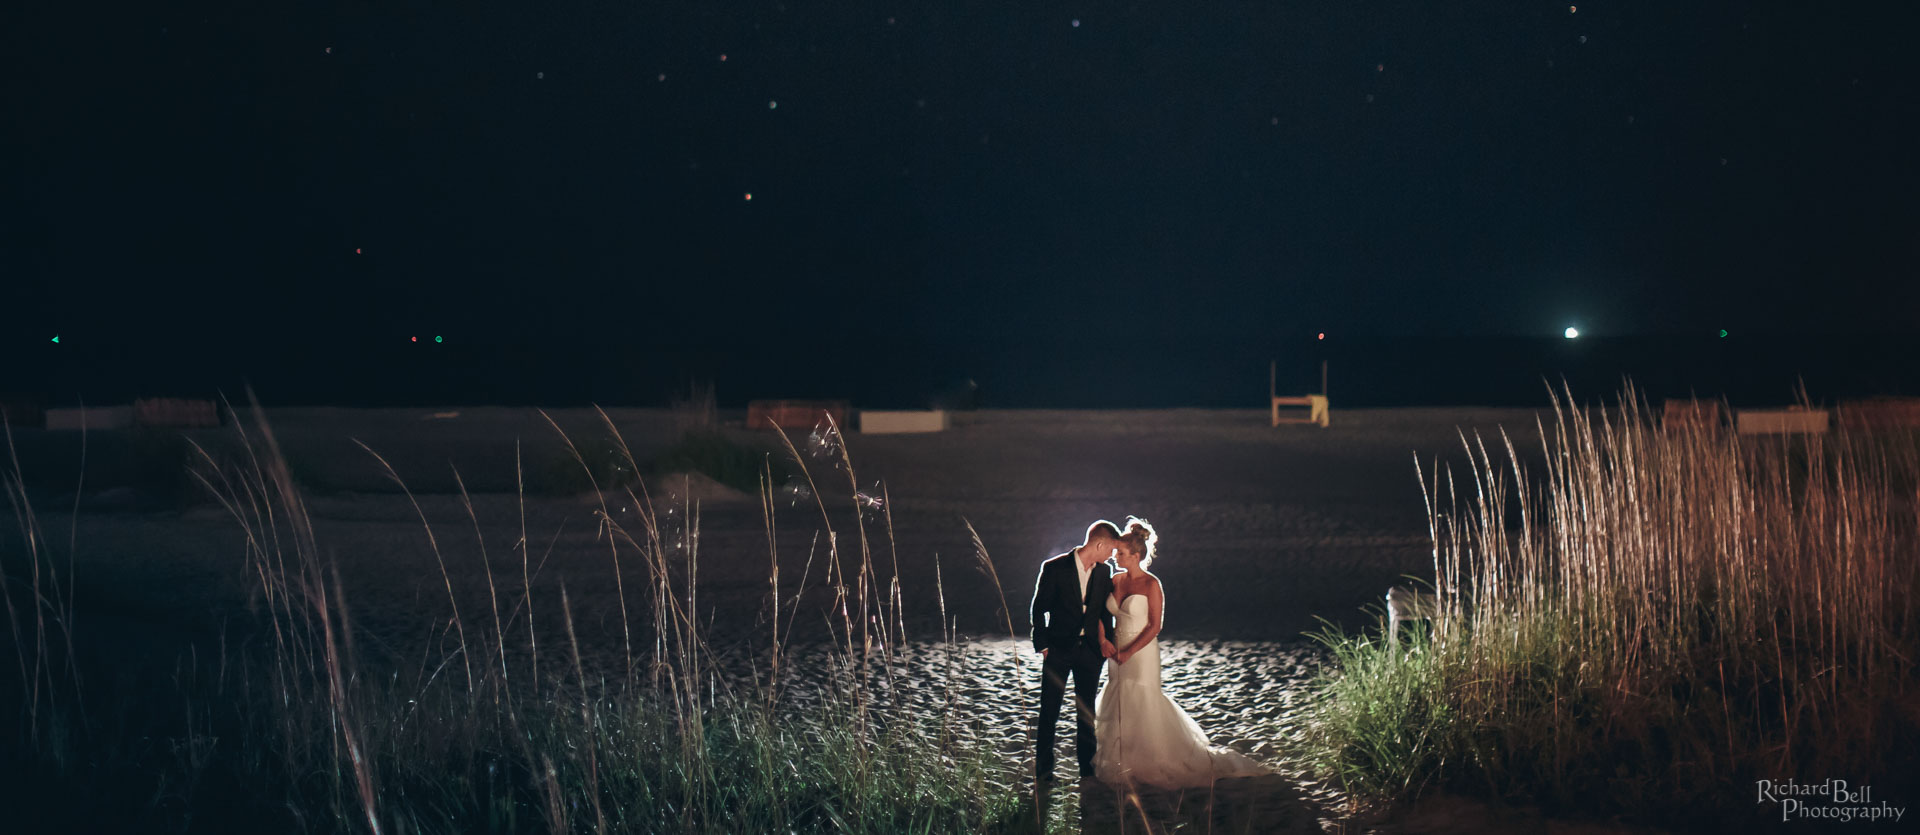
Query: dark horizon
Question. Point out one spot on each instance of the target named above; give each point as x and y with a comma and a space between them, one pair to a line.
1063, 372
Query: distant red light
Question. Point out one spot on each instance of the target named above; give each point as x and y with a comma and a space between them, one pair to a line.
416, 339
1322, 336
356, 250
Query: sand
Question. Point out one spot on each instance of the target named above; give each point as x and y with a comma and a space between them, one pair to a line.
1264, 530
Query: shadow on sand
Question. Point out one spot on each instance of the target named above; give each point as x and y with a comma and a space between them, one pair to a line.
1249, 805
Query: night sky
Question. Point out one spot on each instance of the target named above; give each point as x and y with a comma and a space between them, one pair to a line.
300, 177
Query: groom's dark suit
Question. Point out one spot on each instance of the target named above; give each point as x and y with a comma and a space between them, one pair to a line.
1066, 625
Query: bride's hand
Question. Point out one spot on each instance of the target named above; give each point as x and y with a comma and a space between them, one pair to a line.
1121, 657
1107, 649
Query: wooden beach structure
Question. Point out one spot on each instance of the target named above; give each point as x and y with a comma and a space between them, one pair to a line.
877, 422
1705, 415
90, 418
795, 414
175, 413
1318, 411
1793, 420
22, 410
1879, 413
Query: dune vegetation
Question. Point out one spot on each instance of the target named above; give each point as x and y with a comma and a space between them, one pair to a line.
1642, 620
1633, 620
307, 726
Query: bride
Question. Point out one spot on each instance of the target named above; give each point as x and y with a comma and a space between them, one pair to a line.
1145, 737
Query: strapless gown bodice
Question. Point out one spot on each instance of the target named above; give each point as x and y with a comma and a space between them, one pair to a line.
1144, 737
1128, 618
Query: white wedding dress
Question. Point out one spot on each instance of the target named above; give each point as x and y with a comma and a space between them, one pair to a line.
1143, 736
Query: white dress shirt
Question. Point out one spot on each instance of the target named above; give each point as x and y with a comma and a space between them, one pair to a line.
1086, 573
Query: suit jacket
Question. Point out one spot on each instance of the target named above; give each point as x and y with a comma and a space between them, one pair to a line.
1057, 617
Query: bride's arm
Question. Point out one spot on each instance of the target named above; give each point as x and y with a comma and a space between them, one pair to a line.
1152, 630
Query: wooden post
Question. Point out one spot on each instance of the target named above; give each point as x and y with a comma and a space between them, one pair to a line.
1323, 378
1273, 404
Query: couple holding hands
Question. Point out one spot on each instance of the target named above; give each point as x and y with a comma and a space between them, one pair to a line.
1094, 603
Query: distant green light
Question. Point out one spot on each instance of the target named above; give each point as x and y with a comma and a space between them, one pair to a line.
1723, 333
438, 339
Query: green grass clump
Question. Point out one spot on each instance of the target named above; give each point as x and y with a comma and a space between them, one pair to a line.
157, 462
1651, 624
603, 462
590, 462
723, 459
309, 724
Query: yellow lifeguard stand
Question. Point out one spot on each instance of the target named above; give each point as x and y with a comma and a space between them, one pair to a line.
1317, 409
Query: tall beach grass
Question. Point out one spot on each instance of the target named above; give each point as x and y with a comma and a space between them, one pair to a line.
1642, 620
501, 726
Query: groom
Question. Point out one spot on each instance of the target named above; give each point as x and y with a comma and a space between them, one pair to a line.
1069, 604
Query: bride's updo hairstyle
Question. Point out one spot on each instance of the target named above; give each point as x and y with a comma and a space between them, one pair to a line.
1144, 537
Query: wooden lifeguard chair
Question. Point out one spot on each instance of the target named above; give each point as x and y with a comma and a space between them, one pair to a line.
1692, 414
1316, 404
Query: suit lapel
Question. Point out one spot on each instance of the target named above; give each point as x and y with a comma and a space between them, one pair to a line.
1072, 580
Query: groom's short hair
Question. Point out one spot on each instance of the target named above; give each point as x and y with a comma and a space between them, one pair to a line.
1102, 528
